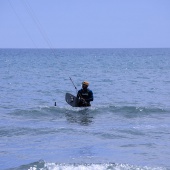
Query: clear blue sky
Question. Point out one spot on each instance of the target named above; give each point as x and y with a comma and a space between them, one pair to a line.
84, 23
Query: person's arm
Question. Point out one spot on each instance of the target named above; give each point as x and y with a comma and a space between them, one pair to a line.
81, 99
79, 95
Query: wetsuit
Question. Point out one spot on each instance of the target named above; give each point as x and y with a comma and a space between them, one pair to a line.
85, 96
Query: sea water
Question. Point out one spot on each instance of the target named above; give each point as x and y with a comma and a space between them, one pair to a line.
127, 126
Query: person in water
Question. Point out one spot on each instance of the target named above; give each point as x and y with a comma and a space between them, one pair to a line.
85, 95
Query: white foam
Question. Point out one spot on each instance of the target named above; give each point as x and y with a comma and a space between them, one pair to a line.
107, 166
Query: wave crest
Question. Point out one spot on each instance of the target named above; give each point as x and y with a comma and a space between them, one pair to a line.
42, 165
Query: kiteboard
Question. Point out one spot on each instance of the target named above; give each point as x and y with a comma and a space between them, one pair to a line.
71, 100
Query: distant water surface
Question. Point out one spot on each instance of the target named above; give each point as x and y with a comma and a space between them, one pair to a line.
127, 126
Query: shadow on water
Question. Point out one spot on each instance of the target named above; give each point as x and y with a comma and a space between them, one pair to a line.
82, 117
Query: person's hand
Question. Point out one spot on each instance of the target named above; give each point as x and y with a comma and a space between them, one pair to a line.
83, 101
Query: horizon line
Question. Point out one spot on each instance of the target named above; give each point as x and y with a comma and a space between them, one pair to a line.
86, 48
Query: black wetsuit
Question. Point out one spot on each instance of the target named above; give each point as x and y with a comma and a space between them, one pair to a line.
85, 96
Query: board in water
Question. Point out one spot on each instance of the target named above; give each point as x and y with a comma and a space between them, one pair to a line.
71, 100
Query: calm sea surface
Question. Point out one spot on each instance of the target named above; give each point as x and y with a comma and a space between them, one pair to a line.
127, 127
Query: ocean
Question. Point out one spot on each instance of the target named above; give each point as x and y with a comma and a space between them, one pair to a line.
126, 128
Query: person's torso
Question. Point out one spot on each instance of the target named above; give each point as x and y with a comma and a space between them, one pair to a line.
85, 93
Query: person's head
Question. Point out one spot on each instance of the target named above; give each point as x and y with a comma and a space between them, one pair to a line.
85, 84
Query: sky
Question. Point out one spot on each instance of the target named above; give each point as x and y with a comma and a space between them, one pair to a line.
84, 23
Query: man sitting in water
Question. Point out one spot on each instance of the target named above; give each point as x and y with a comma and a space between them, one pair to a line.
85, 95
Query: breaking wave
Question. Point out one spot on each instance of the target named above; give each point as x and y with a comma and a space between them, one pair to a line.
42, 165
